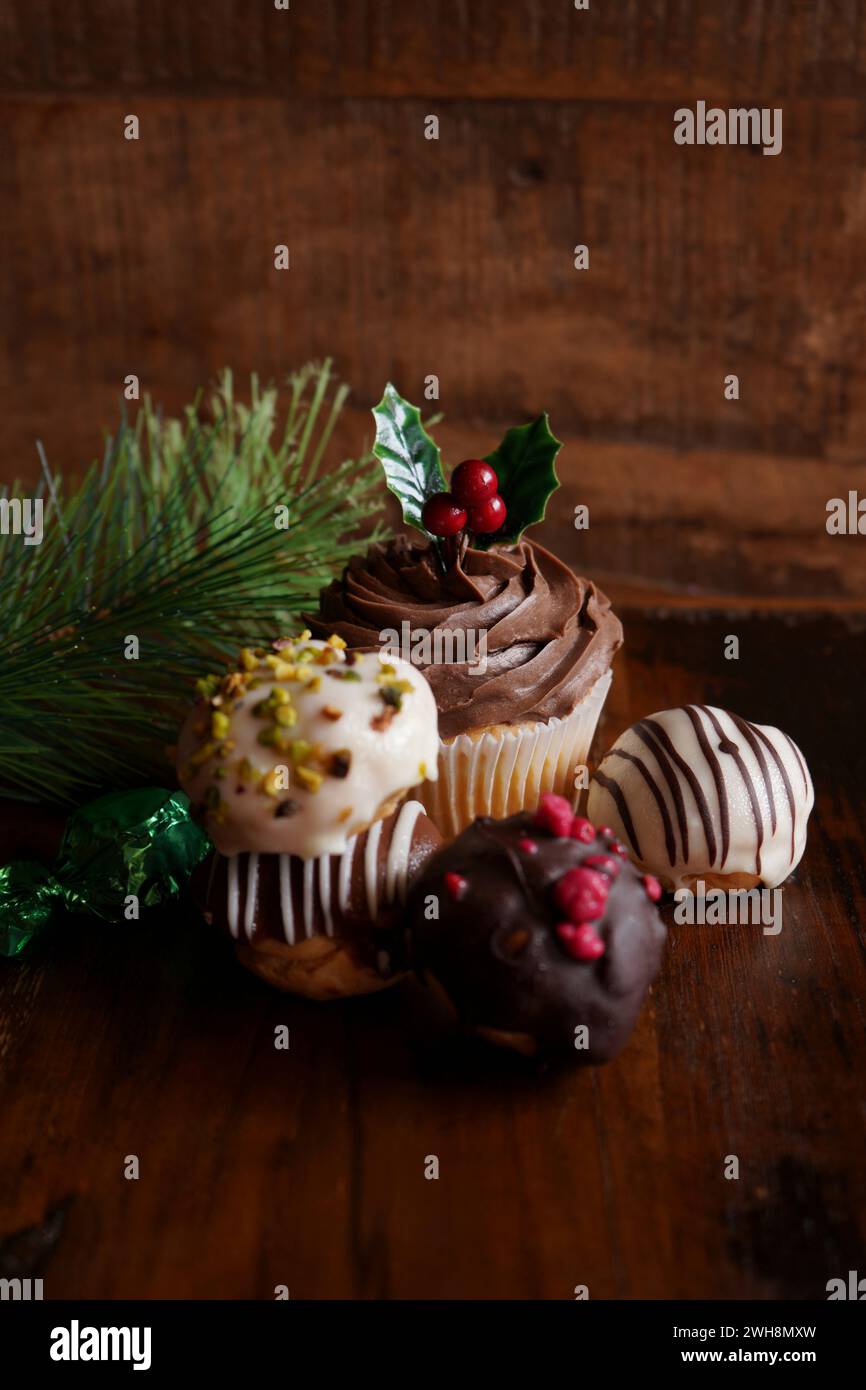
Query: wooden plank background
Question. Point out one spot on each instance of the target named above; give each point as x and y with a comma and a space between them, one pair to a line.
454, 257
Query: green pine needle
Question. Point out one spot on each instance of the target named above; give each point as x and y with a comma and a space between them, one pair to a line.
170, 540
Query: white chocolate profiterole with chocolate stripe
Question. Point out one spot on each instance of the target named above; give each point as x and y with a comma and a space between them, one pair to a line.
700, 793
305, 745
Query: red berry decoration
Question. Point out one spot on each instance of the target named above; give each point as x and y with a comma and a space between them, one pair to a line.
605, 863
617, 848
442, 516
528, 846
487, 516
456, 885
652, 886
582, 829
582, 942
473, 481
554, 814
582, 894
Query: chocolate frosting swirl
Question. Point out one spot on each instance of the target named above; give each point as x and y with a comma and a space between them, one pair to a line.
549, 634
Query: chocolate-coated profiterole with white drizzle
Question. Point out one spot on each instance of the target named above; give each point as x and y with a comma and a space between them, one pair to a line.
701, 793
297, 762
325, 927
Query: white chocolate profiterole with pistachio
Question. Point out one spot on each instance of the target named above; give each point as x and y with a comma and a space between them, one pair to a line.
304, 745
700, 793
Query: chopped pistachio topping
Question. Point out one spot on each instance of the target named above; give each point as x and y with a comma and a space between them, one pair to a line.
287, 660
309, 779
219, 724
300, 751
392, 695
208, 686
201, 755
380, 722
269, 783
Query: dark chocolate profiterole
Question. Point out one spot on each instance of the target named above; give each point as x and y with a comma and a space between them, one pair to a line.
541, 933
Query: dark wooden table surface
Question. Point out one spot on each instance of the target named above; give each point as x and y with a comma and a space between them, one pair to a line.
261, 1167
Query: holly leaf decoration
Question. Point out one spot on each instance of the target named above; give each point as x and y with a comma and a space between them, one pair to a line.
524, 465
410, 458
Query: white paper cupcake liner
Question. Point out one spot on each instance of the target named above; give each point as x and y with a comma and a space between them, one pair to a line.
499, 773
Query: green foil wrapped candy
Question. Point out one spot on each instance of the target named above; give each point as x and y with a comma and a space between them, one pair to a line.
140, 843
28, 895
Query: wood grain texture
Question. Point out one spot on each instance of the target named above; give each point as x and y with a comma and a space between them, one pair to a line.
305, 1167
412, 257
644, 50
451, 257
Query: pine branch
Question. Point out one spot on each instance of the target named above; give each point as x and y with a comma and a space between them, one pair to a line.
170, 540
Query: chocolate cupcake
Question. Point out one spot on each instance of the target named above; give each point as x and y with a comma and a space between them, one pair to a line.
541, 933
296, 763
516, 648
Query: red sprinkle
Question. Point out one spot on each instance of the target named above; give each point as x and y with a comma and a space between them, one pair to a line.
606, 830
554, 814
605, 863
456, 885
652, 886
617, 848
582, 894
582, 829
582, 941
528, 846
